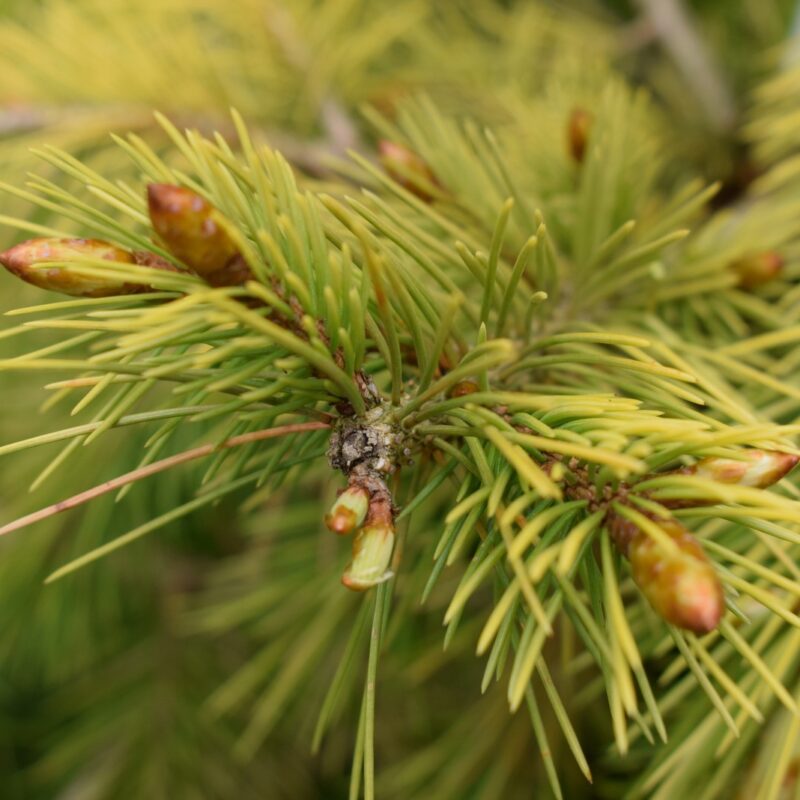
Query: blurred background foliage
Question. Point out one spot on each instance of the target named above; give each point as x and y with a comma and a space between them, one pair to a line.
136, 677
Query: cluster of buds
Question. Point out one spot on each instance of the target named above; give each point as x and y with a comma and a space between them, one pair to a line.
25, 259
190, 228
758, 268
679, 581
367, 450
408, 169
579, 127
366, 508
193, 231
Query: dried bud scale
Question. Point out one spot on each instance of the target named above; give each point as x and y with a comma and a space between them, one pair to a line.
146, 259
371, 441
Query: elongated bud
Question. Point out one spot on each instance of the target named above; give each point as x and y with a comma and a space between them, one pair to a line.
372, 552
757, 269
757, 468
578, 129
407, 168
188, 225
348, 511
682, 587
22, 260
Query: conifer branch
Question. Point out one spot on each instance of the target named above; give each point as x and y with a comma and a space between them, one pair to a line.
556, 372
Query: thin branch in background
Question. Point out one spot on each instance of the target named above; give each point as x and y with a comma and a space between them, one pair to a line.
19, 119
792, 54
340, 129
674, 27
156, 467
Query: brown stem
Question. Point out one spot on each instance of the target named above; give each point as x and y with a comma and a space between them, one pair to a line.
155, 467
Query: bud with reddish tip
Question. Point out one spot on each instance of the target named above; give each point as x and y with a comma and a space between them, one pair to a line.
372, 553
758, 268
22, 260
348, 511
756, 468
189, 227
578, 130
682, 587
407, 169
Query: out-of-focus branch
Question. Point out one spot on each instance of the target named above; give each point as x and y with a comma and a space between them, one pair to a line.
312, 156
791, 55
16, 120
341, 131
675, 29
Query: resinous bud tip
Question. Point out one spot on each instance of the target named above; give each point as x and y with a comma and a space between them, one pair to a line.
348, 511
756, 468
188, 225
682, 587
758, 268
407, 168
372, 553
23, 259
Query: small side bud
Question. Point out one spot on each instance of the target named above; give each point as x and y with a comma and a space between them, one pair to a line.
22, 260
683, 587
578, 129
372, 552
187, 224
757, 269
407, 169
756, 468
463, 388
348, 511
